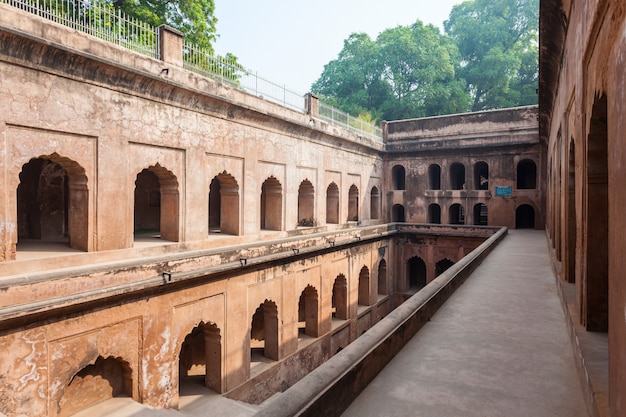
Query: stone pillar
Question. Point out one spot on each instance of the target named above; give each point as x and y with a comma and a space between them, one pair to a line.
311, 104
170, 45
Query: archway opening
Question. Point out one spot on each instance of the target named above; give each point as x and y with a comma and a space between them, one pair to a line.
398, 175
264, 333
308, 312
105, 379
416, 269
306, 204
332, 204
353, 203
434, 177
596, 286
456, 214
156, 205
382, 278
224, 205
52, 204
525, 217
374, 204
481, 176
442, 266
481, 217
340, 298
397, 213
271, 205
457, 176
571, 214
200, 359
434, 213
526, 175
364, 287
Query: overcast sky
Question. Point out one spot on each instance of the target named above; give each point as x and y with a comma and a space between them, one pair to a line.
289, 42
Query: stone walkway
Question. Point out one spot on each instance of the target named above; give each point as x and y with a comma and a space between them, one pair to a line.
498, 347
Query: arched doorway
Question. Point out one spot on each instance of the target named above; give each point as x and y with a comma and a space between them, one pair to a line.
434, 213
100, 381
364, 287
374, 204
416, 271
571, 214
397, 213
398, 175
308, 312
332, 204
264, 332
434, 177
596, 285
456, 214
481, 217
53, 203
457, 176
525, 217
382, 278
224, 205
200, 358
340, 298
271, 205
481, 176
156, 204
353, 203
442, 266
306, 204
526, 175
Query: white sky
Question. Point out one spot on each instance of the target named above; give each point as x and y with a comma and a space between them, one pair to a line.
289, 42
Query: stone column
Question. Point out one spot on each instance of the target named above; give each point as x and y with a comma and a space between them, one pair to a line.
170, 45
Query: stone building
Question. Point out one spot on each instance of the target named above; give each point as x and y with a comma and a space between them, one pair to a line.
581, 98
158, 226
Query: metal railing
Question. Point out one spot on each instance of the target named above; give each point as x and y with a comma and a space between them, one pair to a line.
97, 18
103, 20
229, 71
337, 117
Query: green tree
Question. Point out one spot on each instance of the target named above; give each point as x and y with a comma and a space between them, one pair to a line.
498, 44
195, 18
409, 71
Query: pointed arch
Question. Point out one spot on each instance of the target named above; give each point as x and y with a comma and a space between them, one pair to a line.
398, 175
200, 358
306, 204
364, 287
271, 204
53, 202
264, 331
353, 203
340, 297
308, 312
332, 203
224, 204
374, 203
104, 379
416, 273
156, 203
382, 278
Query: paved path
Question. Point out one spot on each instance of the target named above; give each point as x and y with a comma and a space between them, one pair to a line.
497, 347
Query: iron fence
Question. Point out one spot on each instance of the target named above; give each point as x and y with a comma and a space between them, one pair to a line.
97, 18
229, 71
349, 122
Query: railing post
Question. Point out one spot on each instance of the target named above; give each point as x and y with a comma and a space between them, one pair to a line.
311, 105
171, 45
383, 128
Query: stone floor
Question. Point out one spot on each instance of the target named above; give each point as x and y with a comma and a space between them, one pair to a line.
498, 347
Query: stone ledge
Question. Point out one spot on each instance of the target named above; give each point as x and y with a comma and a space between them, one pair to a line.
329, 389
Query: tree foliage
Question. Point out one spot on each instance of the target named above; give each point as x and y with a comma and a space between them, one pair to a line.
498, 43
486, 59
407, 72
195, 18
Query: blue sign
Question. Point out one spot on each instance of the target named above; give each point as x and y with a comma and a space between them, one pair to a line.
504, 191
